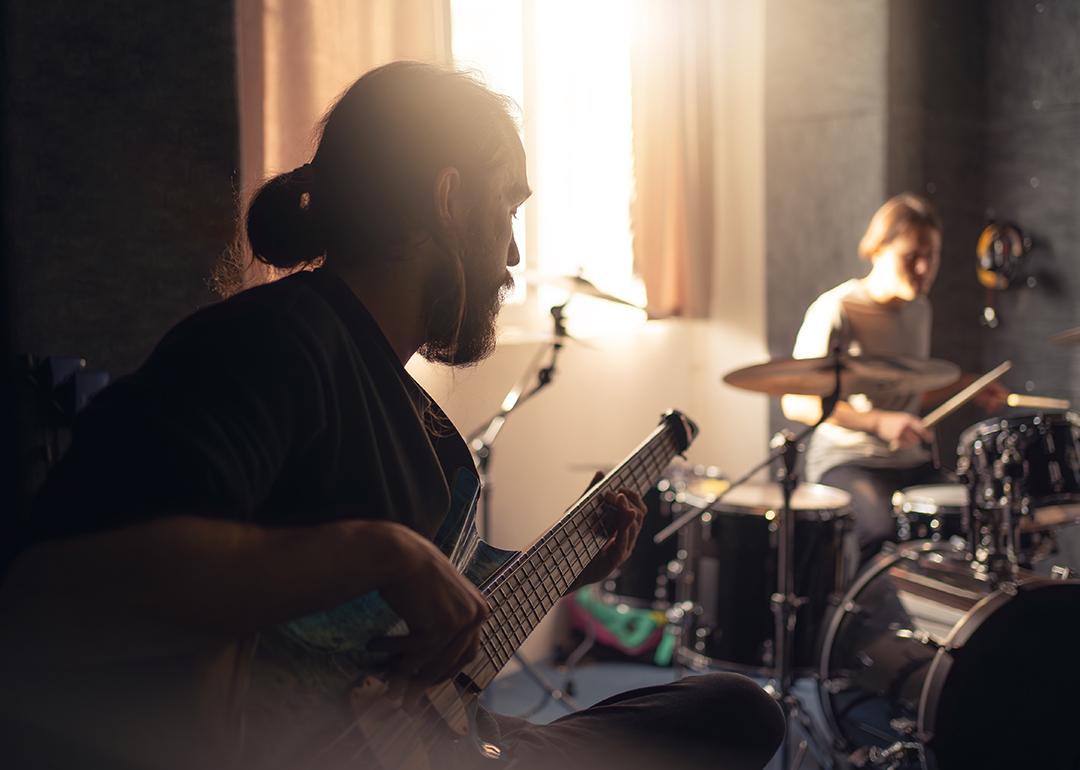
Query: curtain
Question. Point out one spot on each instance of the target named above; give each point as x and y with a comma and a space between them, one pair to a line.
672, 211
296, 56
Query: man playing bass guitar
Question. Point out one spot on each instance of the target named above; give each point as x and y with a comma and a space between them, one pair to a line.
272, 459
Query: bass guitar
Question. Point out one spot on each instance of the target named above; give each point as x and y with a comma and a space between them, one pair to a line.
335, 707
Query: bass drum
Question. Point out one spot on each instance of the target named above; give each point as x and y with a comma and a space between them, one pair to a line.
924, 650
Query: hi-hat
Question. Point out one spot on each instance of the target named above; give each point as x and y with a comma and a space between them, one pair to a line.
870, 375
1067, 337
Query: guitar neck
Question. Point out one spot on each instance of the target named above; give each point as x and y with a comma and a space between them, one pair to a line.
526, 589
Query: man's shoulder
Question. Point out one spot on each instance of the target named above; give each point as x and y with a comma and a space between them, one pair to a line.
835, 296
288, 311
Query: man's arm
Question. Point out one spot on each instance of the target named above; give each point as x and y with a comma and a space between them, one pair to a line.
181, 580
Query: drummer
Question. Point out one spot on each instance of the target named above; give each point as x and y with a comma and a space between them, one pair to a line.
871, 449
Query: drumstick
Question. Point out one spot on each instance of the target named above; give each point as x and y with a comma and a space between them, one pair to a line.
1036, 402
965, 395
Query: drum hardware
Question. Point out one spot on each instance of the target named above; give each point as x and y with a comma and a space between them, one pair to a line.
1060, 572
892, 757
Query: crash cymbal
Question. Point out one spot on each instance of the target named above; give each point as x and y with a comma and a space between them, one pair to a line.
576, 284
1067, 337
870, 375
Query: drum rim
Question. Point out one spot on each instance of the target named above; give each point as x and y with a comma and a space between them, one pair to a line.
724, 505
912, 550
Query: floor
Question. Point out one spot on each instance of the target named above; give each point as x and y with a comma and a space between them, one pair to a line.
520, 694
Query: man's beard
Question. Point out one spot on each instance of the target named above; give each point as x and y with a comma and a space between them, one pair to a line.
457, 335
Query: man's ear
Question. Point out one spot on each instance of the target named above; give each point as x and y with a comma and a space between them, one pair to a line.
449, 203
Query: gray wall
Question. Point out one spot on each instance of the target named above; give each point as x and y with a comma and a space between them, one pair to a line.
120, 166
865, 100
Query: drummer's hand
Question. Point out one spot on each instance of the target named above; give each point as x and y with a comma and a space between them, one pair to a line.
901, 430
624, 513
992, 398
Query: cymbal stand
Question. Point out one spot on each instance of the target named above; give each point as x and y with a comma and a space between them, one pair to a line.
481, 441
785, 603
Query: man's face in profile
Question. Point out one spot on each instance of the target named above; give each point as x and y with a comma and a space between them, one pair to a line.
488, 250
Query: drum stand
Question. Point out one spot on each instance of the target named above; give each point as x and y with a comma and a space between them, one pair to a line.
481, 442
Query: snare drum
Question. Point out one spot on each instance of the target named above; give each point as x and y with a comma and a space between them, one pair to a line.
930, 511
1042, 451
730, 575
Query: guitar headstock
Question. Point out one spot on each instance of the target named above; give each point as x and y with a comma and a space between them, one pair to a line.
682, 428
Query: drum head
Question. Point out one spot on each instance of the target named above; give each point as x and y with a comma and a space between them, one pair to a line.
762, 497
1006, 697
708, 487
932, 498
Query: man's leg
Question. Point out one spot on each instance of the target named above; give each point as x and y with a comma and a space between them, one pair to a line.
871, 491
716, 721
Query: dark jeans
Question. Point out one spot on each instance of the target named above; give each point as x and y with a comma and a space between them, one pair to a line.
871, 492
715, 721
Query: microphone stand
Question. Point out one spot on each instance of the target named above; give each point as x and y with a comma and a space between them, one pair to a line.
481, 441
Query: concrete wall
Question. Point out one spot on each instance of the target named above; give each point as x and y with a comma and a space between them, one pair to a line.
119, 169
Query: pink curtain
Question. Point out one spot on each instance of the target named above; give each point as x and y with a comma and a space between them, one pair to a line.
296, 56
672, 212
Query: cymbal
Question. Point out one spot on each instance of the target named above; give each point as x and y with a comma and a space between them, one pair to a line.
1067, 337
870, 375
576, 284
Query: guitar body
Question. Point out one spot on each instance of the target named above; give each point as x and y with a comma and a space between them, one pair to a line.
319, 699
316, 679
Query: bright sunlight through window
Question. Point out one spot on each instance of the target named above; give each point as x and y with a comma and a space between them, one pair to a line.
567, 65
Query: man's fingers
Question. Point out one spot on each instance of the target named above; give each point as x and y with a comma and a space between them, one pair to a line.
452, 658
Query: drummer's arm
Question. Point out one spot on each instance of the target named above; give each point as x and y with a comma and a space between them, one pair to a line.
807, 409
990, 399
892, 427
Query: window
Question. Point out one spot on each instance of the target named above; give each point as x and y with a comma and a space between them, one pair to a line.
567, 65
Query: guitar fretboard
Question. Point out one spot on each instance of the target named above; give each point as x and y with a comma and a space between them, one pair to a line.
523, 592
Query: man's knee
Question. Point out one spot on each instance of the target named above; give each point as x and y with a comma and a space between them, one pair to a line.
742, 712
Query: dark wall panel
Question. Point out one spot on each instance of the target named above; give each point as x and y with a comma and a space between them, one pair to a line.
121, 161
824, 151
1033, 178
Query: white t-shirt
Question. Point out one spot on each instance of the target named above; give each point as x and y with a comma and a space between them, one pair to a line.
848, 316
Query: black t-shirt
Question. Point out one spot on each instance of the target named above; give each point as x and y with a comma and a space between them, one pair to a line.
283, 405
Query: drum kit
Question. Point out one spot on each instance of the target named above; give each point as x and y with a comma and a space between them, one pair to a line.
946, 650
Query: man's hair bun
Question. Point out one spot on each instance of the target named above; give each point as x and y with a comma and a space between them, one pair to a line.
282, 226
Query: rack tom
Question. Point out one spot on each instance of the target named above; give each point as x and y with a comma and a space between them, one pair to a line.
1038, 453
